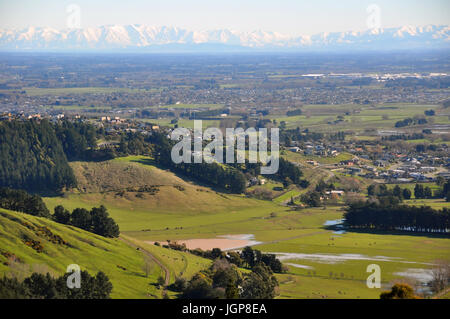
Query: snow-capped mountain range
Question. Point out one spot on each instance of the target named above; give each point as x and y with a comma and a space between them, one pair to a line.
147, 38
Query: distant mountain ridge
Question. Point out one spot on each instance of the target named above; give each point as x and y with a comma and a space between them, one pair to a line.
147, 38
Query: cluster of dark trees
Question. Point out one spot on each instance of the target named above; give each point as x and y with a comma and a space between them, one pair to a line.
222, 176
206, 113
338, 136
39, 286
250, 258
429, 112
421, 148
405, 137
249, 169
290, 173
222, 280
79, 141
32, 157
294, 112
381, 191
446, 191
21, 201
133, 144
372, 215
409, 121
312, 199
398, 194
96, 220
76, 138
422, 192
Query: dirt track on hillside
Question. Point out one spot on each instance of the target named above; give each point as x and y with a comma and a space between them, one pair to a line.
152, 257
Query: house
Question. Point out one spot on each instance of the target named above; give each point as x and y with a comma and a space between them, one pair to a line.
295, 149
336, 192
314, 163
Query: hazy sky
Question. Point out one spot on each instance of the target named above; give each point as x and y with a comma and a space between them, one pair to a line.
291, 17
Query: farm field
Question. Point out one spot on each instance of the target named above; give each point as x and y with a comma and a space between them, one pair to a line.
192, 106
357, 118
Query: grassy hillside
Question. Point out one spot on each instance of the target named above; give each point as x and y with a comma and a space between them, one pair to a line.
31, 244
119, 174
172, 203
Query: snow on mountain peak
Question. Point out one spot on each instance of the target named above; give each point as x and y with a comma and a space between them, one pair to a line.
137, 36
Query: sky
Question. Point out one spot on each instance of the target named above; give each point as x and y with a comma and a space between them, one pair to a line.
290, 17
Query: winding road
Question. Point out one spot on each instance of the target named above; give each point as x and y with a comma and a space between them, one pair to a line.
152, 257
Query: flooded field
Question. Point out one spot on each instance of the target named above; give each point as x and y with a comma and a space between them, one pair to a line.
224, 242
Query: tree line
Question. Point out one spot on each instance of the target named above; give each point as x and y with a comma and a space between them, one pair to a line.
96, 220
410, 121
39, 286
373, 215
21, 201
420, 192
